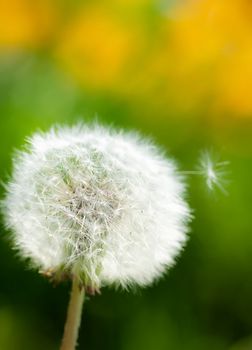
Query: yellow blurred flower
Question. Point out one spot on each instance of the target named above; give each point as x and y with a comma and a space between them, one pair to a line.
234, 89
97, 47
197, 54
26, 23
211, 45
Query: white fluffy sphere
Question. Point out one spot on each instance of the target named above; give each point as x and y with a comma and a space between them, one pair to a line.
104, 205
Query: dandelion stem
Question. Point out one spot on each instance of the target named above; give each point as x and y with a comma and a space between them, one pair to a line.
73, 320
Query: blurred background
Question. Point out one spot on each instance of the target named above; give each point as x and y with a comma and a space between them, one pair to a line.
181, 72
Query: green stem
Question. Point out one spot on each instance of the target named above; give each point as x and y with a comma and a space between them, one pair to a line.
73, 320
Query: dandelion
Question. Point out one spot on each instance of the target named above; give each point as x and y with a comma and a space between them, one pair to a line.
97, 206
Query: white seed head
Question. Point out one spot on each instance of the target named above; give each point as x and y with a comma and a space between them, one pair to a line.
104, 205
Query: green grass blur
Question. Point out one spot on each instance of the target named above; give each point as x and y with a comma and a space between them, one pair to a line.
205, 301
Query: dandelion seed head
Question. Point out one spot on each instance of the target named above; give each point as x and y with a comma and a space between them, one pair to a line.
102, 204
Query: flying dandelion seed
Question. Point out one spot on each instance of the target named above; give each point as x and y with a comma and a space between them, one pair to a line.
213, 171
